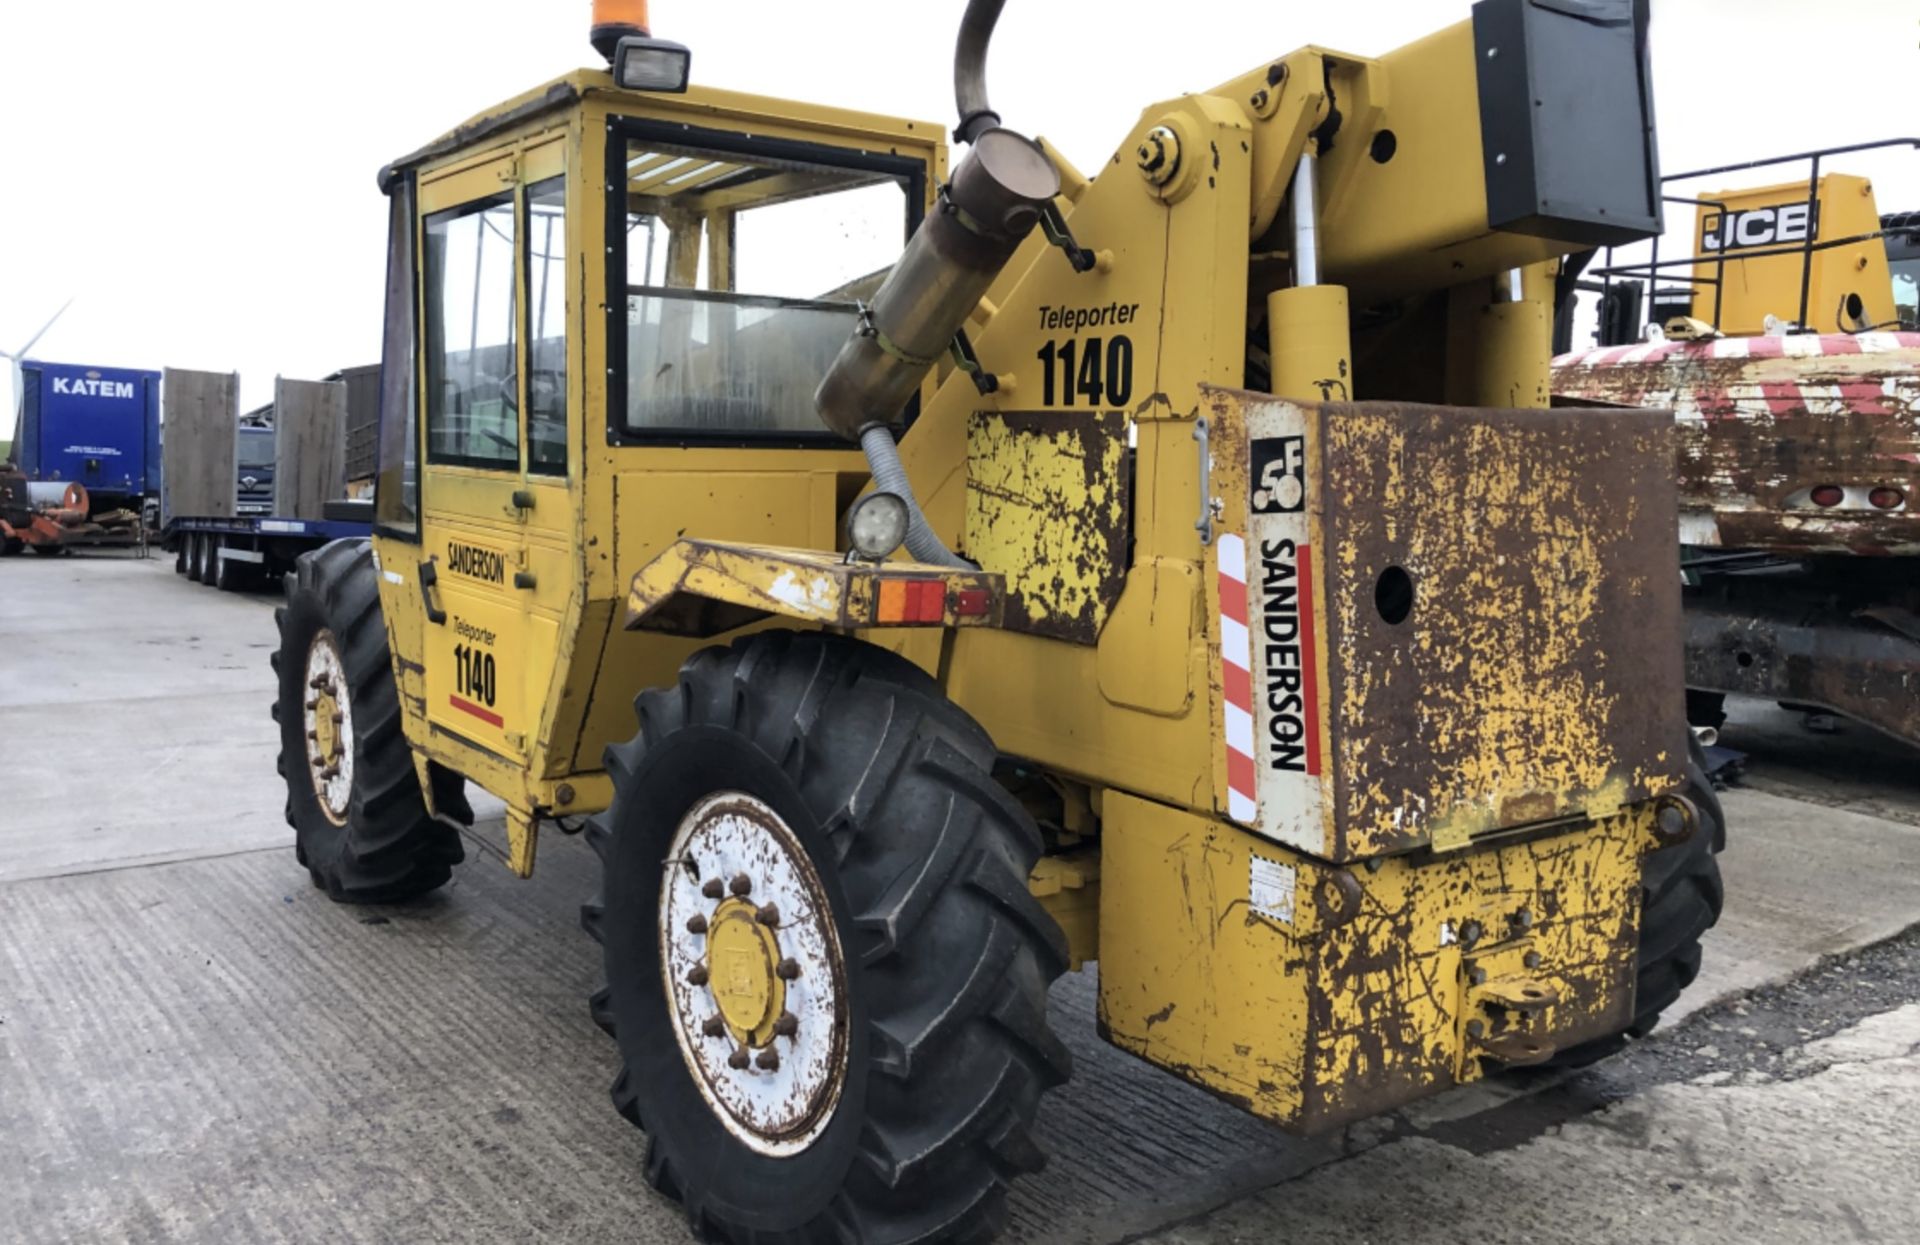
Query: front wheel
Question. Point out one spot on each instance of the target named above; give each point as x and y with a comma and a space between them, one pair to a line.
825, 972
361, 826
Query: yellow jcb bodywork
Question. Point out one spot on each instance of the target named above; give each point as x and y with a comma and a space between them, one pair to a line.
1752, 263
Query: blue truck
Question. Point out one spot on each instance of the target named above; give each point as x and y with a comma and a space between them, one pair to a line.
94, 426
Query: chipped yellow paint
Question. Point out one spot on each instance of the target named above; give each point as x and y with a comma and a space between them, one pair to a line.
1047, 508
1350, 993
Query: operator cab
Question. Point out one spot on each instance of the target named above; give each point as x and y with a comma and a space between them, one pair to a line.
608, 307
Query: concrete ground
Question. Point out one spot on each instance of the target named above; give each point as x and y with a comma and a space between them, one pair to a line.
195, 1045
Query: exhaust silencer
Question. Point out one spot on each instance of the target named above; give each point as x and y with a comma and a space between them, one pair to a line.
988, 208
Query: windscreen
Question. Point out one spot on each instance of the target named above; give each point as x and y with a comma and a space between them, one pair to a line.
744, 275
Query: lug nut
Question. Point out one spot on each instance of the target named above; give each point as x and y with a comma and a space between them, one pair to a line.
787, 1025
696, 924
715, 1027
741, 884
1475, 1028
768, 915
769, 1060
1531, 959
1523, 919
713, 889
738, 1059
1259, 99
698, 976
789, 969
1469, 933
314, 703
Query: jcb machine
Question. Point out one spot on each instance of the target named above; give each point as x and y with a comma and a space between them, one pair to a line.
1176, 568
1787, 341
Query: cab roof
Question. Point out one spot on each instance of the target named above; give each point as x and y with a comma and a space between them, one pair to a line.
569, 90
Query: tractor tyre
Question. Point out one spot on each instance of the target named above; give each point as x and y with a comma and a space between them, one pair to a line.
360, 825
826, 975
1680, 900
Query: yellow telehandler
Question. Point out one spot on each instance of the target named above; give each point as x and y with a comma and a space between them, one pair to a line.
919, 581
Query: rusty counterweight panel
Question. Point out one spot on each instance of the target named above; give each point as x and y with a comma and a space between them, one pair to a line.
1761, 421
1536, 672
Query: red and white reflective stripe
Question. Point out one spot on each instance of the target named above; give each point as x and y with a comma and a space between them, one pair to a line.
1793, 346
1236, 679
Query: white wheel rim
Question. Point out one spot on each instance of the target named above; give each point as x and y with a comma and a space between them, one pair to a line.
738, 985
328, 725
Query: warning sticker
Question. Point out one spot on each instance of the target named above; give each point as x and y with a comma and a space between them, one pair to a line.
1270, 888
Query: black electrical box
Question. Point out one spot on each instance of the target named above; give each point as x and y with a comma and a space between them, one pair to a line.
1566, 119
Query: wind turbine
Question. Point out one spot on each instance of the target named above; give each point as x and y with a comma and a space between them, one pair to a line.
19, 381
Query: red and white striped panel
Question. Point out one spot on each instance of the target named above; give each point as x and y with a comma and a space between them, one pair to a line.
1236, 680
1796, 346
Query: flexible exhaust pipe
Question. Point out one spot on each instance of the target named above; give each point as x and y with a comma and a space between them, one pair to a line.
986, 210
970, 70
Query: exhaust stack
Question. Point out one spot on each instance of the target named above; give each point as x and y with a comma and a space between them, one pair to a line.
986, 210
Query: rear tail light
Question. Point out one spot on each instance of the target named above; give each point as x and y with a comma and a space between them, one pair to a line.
1828, 495
912, 601
1887, 498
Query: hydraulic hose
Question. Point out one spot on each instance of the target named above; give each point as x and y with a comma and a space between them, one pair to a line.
970, 69
889, 476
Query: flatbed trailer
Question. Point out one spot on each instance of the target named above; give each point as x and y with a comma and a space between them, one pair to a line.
246, 551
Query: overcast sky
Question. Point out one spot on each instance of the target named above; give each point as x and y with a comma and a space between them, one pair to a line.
199, 174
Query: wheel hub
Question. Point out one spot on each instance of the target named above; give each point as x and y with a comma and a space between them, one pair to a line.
743, 955
328, 721
754, 974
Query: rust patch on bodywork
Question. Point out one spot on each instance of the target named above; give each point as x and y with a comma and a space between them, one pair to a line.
1528, 679
1048, 508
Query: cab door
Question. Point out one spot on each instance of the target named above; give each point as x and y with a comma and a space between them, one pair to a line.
494, 484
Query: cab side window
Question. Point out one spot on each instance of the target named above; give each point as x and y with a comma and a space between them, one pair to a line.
472, 327
397, 487
547, 327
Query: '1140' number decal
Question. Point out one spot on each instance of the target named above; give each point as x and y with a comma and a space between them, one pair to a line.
473, 672
1100, 371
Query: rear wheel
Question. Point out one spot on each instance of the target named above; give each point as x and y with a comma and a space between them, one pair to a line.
360, 823
180, 555
231, 574
197, 557
826, 975
1680, 901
